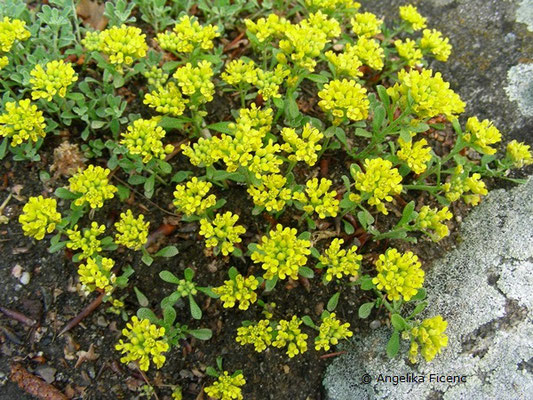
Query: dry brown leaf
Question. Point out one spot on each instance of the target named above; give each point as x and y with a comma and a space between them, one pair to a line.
83, 356
92, 14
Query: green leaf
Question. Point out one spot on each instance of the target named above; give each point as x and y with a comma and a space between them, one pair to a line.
189, 274
341, 136
146, 313
270, 284
305, 236
317, 78
419, 308
165, 167
306, 319
405, 135
56, 247
141, 298
332, 302
394, 344
123, 192
291, 108
3, 148
66, 194
149, 186
222, 127
167, 252
136, 179
147, 259
169, 315
237, 252
306, 272
362, 133
196, 312
232, 273
398, 322
169, 277
348, 227
379, 117
315, 253
407, 213
383, 96
366, 309
208, 291
366, 283
420, 295
201, 334
180, 176
212, 372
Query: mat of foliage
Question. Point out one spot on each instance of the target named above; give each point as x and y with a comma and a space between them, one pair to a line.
325, 90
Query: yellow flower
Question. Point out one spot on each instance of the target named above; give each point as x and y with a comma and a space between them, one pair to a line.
433, 42
145, 340
399, 275
187, 35
271, 193
121, 44
431, 94
226, 387
460, 183
344, 99
431, 338
415, 155
39, 217
132, 232
222, 232
51, 80
482, 134
409, 52
333, 5
410, 14
366, 24
289, 334
519, 154
89, 244
143, 137
96, 274
22, 122
317, 198
203, 153
4, 61
265, 161
92, 184
346, 63
166, 100
340, 262
189, 198
176, 393
196, 82
320, 21
268, 82
267, 29
281, 253
258, 334
331, 331
156, 76
370, 52
380, 181
238, 290
431, 219
239, 71
302, 148
11, 30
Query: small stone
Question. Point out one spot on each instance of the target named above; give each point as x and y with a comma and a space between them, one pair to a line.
375, 324
25, 278
47, 373
286, 369
16, 272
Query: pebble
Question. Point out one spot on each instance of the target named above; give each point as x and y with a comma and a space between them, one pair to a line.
16, 271
47, 373
375, 324
25, 278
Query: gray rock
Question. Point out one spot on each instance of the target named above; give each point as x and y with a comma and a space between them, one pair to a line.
489, 37
484, 289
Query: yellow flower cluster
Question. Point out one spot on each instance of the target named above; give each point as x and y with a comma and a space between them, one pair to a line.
271, 193
430, 337
132, 232
409, 51
196, 82
166, 100
189, 198
89, 242
10, 31
238, 290
366, 24
188, 35
281, 253
4, 61
144, 340
317, 198
415, 155
432, 219
268, 82
289, 334
433, 42
53, 79
346, 63
519, 154
340, 262
344, 99
22, 122
400, 275
370, 52
410, 14
380, 181
186, 288
143, 137
267, 29
460, 183
96, 274
258, 334
302, 148
238, 71
331, 331
431, 94
39, 217
482, 134
156, 76
332, 5
222, 232
93, 185
121, 44
226, 387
